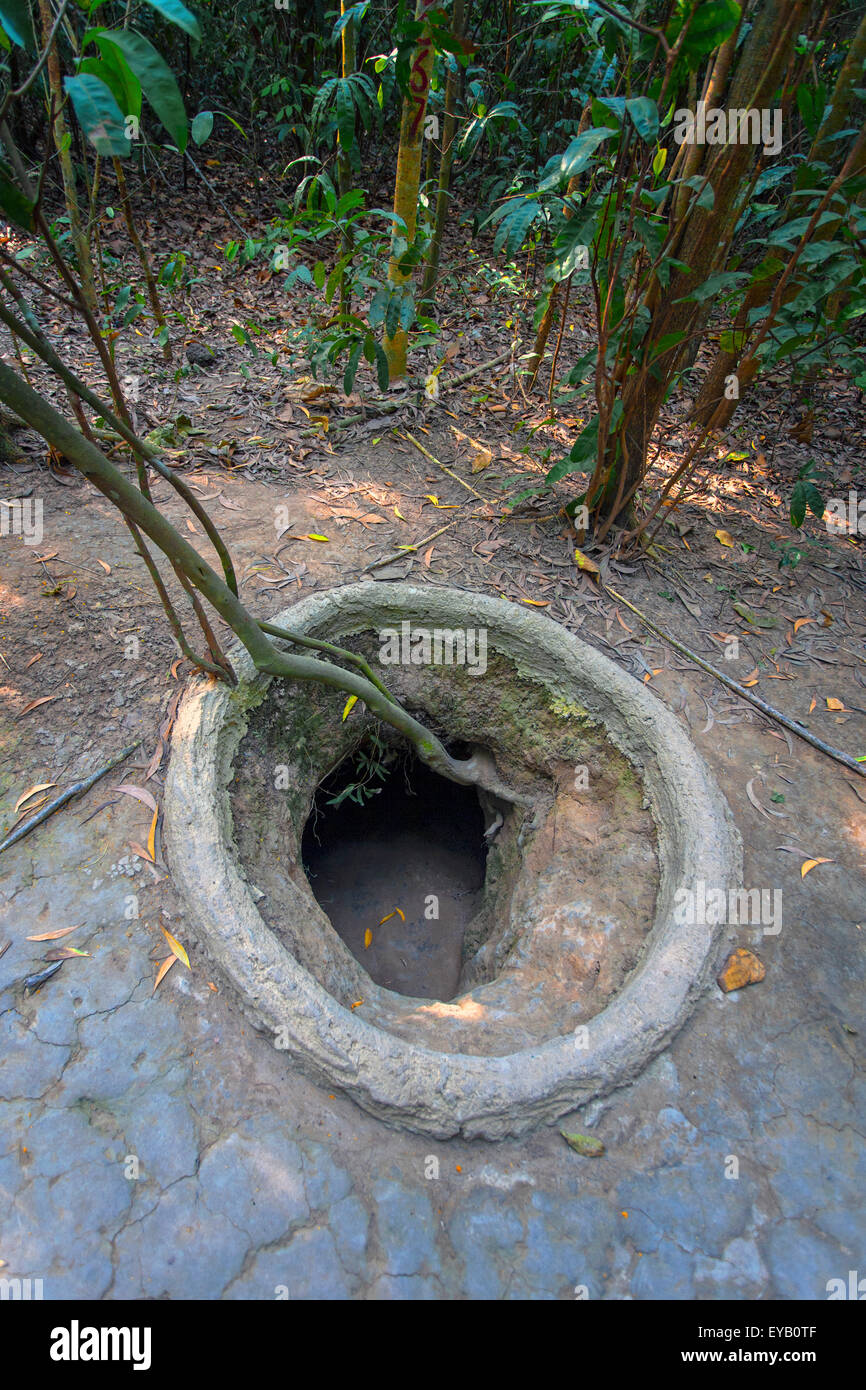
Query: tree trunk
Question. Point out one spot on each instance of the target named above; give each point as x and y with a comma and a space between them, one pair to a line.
703, 245
823, 148
409, 178
444, 192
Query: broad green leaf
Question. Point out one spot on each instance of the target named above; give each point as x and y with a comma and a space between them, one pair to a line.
202, 125
179, 15
157, 80
711, 22
113, 69
100, 116
383, 374
563, 168
645, 117
15, 15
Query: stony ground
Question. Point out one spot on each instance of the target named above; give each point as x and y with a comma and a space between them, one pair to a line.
152, 1146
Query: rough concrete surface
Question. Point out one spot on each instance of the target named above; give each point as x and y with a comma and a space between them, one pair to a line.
439, 1093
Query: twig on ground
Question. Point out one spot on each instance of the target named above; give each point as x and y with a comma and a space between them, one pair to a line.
77, 789
769, 710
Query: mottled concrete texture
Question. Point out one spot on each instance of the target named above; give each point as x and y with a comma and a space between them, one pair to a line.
157, 1146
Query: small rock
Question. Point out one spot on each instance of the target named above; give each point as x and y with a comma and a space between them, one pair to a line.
741, 968
200, 355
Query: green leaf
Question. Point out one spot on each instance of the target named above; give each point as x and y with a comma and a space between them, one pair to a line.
563, 168
113, 69
156, 78
202, 125
645, 117
805, 496
383, 373
584, 451
512, 230
13, 203
15, 15
660, 160
179, 15
100, 116
351, 368
711, 22
714, 284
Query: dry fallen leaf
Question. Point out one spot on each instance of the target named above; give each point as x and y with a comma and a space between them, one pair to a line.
741, 968
176, 948
834, 704
54, 935
368, 941
40, 787
64, 953
151, 838
584, 563
35, 703
106, 567
724, 538
130, 789
163, 971
809, 864
757, 805
141, 852
481, 459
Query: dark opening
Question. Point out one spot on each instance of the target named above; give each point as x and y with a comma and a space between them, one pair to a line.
400, 837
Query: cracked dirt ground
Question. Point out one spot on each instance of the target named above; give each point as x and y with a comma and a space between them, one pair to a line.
253, 1182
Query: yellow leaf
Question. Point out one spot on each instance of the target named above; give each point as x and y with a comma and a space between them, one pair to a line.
352, 700
40, 787
400, 914
398, 513
176, 948
151, 839
537, 602
810, 864
834, 704
443, 506
800, 621
724, 538
313, 537
163, 971
584, 563
357, 1004
388, 918
368, 941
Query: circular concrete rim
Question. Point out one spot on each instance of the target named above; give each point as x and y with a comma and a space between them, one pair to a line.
436, 1093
